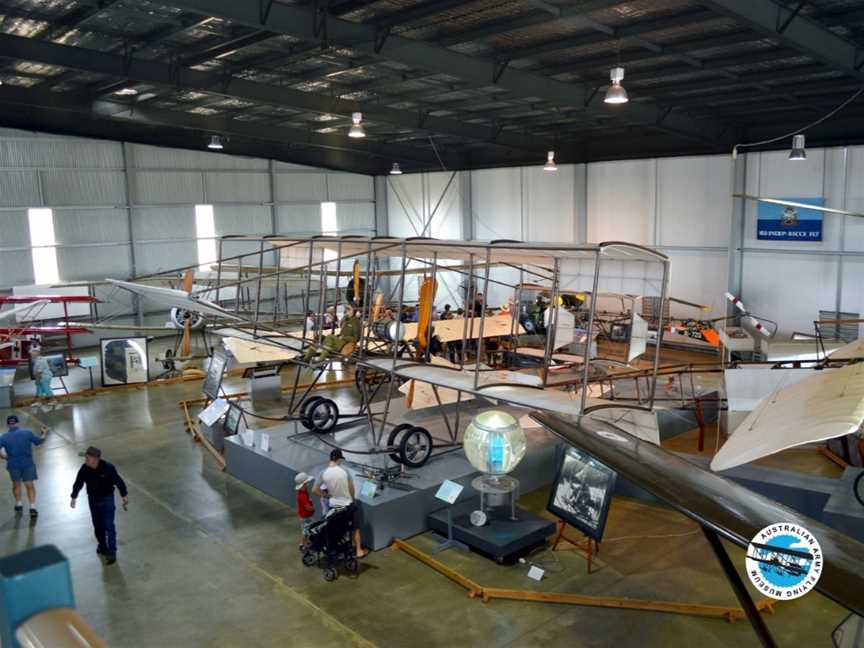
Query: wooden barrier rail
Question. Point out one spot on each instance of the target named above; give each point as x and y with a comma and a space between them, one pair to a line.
475, 590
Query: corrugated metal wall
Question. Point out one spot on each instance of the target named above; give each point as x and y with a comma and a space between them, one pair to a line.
126, 209
682, 206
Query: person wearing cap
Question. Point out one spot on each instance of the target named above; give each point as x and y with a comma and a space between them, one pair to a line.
340, 488
305, 508
17, 448
101, 477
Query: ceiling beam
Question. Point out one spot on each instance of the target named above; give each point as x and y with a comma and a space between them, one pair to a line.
220, 125
215, 83
42, 118
569, 15
307, 23
224, 47
795, 31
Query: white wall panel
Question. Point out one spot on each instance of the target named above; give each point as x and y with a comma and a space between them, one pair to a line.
236, 187
295, 187
549, 204
853, 286
355, 218
163, 223
790, 289
90, 225
496, 201
299, 219
19, 189
165, 255
350, 186
698, 277
149, 187
60, 152
854, 193
621, 201
405, 202
14, 228
156, 156
244, 219
94, 263
693, 200
16, 269
84, 187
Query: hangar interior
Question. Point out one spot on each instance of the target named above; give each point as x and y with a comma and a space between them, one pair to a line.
209, 149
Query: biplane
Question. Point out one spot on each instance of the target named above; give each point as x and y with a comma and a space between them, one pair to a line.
32, 329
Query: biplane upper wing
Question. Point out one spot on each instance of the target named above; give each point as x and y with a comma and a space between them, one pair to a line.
524, 390
823, 406
12, 312
175, 299
731, 510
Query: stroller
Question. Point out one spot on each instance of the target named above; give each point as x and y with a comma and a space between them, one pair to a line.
330, 543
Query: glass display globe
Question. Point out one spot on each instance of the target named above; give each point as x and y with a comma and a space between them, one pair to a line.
494, 442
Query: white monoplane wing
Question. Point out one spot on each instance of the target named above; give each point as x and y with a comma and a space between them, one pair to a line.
523, 389
172, 298
8, 314
821, 407
852, 351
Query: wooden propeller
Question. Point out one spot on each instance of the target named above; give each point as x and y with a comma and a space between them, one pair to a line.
186, 344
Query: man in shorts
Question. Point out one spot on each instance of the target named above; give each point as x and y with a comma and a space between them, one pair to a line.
17, 448
340, 487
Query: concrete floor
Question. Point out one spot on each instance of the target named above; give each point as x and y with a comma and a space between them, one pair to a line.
205, 560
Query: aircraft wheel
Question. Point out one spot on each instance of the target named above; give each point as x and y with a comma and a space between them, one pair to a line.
322, 416
393, 440
858, 488
415, 448
304, 410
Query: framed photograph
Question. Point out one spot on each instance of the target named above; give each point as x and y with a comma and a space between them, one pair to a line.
213, 381
232, 420
582, 492
125, 361
57, 363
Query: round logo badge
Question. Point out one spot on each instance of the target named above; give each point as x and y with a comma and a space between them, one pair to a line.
784, 561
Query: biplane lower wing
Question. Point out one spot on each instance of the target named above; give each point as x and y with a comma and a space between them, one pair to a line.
171, 298
825, 405
729, 509
524, 390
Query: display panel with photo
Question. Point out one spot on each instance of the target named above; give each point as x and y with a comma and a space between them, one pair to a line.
232, 419
213, 381
124, 361
56, 362
582, 492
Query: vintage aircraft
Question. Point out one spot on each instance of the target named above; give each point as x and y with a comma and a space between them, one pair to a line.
30, 328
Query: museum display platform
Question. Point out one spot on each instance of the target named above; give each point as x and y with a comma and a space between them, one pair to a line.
399, 509
502, 538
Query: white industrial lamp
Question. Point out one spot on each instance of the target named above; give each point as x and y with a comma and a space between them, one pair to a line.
356, 129
798, 152
550, 162
615, 93
215, 143
396, 170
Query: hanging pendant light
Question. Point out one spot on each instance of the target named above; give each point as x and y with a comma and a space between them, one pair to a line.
356, 129
798, 151
615, 93
550, 162
396, 170
216, 143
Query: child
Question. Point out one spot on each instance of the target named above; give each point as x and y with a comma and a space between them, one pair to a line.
305, 509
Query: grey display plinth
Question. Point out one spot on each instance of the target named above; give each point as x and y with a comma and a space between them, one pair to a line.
394, 512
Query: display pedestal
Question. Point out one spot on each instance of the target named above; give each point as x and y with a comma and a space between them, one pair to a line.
588, 546
448, 542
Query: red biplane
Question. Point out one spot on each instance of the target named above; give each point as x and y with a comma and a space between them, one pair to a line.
24, 328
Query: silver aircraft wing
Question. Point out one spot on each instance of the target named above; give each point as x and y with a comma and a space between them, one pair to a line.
171, 298
720, 504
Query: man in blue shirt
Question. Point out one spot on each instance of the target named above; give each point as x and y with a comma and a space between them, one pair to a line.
17, 448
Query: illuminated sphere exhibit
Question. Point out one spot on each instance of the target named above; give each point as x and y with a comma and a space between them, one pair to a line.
494, 442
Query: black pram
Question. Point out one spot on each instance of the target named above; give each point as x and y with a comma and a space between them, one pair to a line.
330, 542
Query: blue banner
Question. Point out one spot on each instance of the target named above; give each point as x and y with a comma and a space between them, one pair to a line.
786, 223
